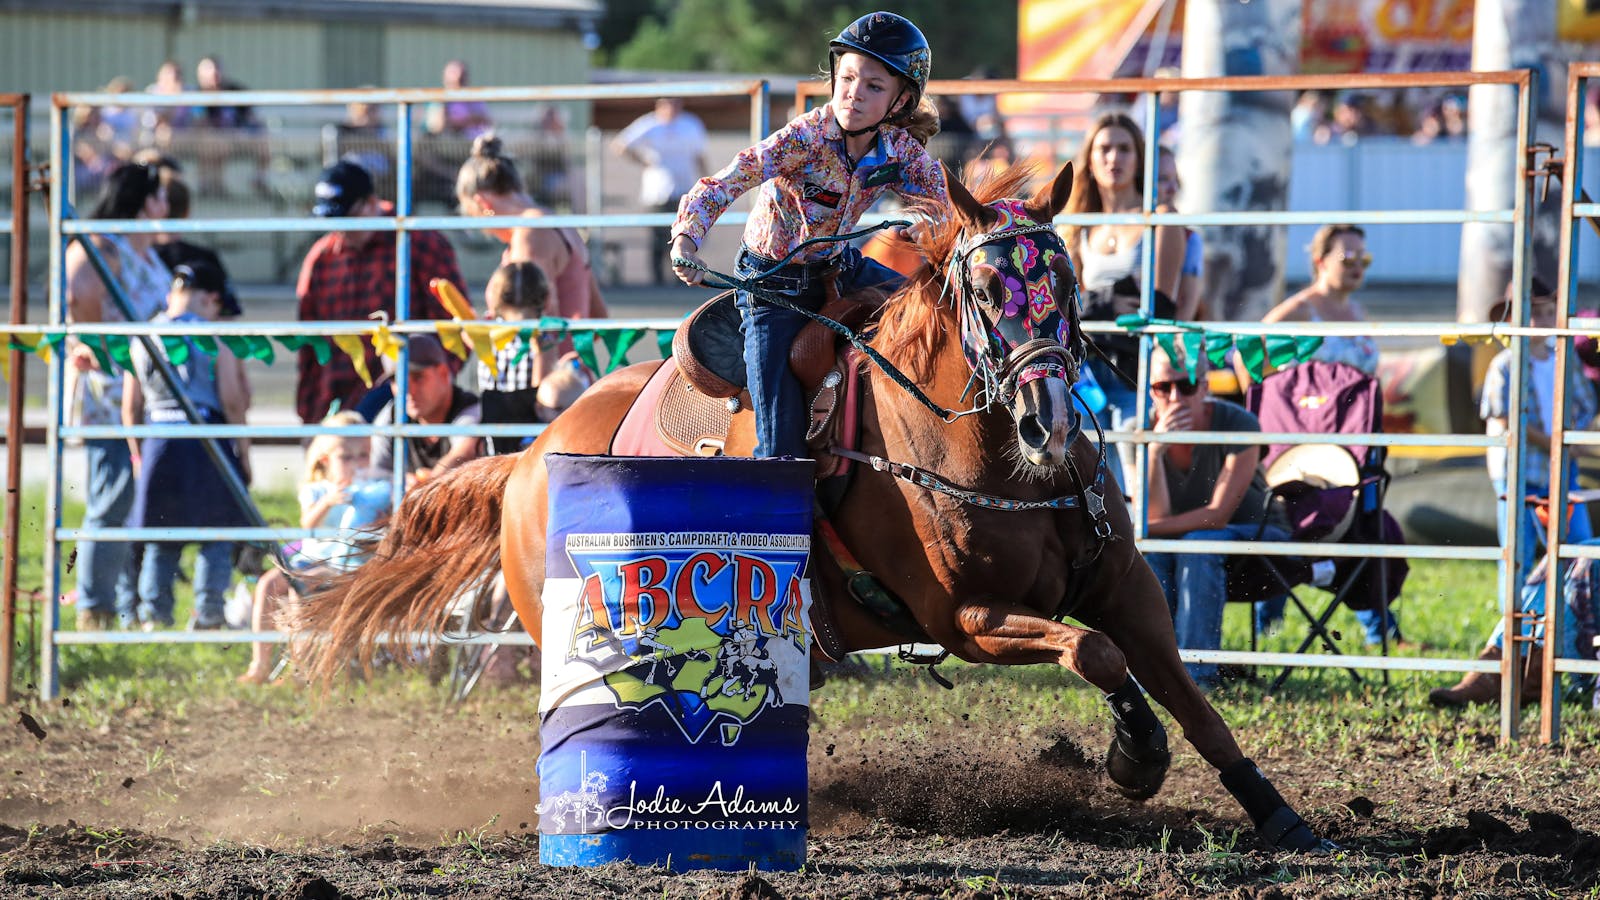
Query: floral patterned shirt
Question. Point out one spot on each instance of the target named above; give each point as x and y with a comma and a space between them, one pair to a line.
808, 187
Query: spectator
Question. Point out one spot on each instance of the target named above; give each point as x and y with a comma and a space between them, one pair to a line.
526, 384
178, 482
1352, 118
432, 398
1310, 114
350, 275
1453, 117
226, 130
160, 122
671, 146
1201, 492
489, 186
982, 111
1167, 188
1575, 641
94, 396
339, 491
1110, 178
363, 139
1537, 411
1339, 262
457, 118
957, 140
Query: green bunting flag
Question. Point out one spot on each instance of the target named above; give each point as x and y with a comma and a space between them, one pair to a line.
117, 346
583, 342
617, 344
177, 348
318, 344
664, 343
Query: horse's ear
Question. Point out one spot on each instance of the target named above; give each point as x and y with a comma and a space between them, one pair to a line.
966, 207
1051, 199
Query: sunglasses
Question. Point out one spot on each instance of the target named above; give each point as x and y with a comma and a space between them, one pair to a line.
1364, 260
1184, 387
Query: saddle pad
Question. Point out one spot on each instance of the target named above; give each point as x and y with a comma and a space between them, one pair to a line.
637, 436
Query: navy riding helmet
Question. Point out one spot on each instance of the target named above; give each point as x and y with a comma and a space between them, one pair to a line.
892, 40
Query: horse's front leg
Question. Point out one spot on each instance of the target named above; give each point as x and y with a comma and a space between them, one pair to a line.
1136, 617
1015, 635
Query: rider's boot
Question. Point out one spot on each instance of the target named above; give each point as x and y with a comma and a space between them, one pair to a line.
1138, 759
1277, 824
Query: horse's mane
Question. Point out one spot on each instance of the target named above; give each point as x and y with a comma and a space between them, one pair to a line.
919, 319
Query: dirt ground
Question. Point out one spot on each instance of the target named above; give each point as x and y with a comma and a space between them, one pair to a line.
232, 799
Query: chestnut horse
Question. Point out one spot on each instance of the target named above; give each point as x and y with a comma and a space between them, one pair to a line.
987, 569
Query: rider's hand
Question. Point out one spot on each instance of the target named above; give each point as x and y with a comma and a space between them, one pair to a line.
683, 248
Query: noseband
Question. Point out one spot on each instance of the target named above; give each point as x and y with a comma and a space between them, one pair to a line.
999, 367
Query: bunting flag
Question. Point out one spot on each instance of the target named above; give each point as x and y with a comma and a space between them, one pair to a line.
450, 337
583, 342
1254, 351
353, 347
112, 351
296, 342
384, 341
617, 344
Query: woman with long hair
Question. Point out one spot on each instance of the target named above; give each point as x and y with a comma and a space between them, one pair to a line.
489, 185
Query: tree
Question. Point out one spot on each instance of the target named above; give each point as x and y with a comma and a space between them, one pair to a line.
791, 36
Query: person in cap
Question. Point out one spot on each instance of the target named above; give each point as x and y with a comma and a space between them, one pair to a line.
175, 249
432, 398
349, 275
178, 483
817, 176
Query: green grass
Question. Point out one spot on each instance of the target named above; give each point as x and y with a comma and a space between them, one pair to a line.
1447, 605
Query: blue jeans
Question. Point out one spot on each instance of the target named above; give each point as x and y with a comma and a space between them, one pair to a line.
776, 395
1196, 585
105, 579
1579, 529
213, 570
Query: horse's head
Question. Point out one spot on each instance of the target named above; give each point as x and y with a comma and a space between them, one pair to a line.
1017, 298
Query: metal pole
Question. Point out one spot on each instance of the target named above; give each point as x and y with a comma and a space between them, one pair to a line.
1566, 293
402, 298
60, 180
1517, 531
14, 391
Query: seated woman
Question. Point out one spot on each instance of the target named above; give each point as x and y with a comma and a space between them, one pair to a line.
1339, 263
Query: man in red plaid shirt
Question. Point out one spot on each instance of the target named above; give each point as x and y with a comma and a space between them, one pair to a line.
349, 275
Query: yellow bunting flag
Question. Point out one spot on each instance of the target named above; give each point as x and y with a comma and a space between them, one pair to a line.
450, 337
384, 341
353, 347
483, 346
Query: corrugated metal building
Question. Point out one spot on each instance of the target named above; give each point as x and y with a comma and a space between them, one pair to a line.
80, 45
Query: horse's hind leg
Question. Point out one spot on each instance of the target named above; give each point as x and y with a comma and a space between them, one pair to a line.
1137, 619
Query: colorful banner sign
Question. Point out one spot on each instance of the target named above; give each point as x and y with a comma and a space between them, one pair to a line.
674, 699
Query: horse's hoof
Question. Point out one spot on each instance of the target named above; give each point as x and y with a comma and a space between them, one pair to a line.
1138, 772
1285, 830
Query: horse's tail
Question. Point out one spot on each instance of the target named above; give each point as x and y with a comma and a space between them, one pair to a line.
442, 541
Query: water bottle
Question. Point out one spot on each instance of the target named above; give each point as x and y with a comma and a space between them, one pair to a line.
1088, 394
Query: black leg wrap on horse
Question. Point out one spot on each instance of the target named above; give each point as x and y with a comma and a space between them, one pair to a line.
1138, 759
1277, 824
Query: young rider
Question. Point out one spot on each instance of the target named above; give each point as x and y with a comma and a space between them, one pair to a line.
818, 175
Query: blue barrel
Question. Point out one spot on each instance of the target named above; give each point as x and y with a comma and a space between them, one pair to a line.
674, 700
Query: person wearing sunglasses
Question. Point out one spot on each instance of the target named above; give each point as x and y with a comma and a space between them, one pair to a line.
1339, 264
1201, 492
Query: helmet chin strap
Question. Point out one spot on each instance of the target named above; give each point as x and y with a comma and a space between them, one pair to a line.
874, 126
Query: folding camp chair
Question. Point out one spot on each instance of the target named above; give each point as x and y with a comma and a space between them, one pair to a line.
1332, 494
